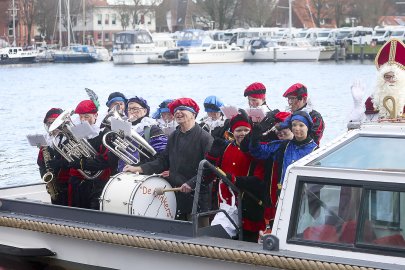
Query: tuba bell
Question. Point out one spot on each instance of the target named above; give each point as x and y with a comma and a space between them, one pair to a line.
69, 146
123, 146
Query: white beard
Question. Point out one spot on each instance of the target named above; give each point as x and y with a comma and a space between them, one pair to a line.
396, 90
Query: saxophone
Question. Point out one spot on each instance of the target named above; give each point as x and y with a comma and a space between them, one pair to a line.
49, 177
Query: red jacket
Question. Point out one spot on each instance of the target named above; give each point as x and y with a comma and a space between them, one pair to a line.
236, 163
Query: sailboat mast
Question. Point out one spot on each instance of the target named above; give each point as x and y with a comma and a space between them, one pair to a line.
290, 17
68, 22
60, 24
84, 22
14, 35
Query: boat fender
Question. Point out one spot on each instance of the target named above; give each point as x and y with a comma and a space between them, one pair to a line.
270, 242
252, 51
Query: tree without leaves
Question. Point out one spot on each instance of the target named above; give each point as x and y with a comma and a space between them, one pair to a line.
369, 14
317, 10
131, 14
222, 12
135, 10
45, 18
27, 14
258, 12
338, 6
124, 14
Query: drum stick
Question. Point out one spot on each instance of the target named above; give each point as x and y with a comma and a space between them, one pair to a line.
160, 191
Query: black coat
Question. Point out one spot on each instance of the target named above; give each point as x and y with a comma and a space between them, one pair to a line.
182, 155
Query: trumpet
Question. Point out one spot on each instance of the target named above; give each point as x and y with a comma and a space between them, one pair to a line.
71, 147
49, 177
116, 113
123, 146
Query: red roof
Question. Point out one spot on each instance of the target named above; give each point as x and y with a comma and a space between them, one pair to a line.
392, 20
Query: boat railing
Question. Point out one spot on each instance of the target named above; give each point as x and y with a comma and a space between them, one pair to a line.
204, 164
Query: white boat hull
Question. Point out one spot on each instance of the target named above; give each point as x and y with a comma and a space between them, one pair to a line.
326, 54
205, 57
141, 56
282, 54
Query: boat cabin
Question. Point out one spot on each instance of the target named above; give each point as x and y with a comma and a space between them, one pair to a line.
191, 38
131, 39
348, 198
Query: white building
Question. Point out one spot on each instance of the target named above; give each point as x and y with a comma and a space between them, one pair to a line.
103, 20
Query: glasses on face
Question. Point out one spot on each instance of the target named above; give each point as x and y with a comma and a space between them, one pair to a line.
388, 77
291, 98
134, 109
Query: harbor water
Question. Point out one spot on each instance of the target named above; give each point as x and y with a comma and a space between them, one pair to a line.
29, 91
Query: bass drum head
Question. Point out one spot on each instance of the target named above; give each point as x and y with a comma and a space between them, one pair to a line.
145, 203
118, 191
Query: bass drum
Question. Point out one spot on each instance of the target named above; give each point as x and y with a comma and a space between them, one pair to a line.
129, 193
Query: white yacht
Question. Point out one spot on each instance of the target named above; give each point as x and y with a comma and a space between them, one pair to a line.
269, 51
163, 42
135, 47
212, 52
326, 52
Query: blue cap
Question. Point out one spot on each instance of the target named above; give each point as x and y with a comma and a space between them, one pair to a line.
162, 109
303, 117
213, 104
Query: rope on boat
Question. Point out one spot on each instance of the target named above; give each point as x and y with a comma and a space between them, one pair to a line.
211, 252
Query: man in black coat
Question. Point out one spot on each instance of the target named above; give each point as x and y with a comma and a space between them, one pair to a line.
186, 147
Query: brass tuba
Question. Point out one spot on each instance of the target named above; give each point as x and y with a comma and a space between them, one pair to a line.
49, 177
69, 146
123, 146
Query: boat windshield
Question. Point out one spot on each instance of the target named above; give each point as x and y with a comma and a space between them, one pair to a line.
345, 214
367, 153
